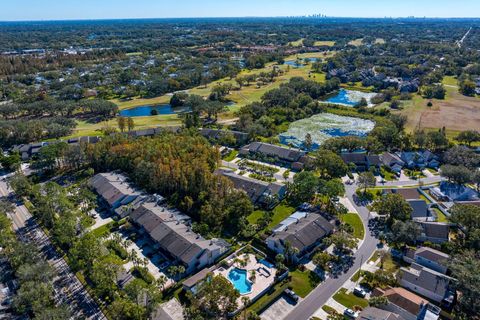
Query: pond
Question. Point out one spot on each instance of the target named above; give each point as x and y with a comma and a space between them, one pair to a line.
351, 98
145, 111
293, 63
324, 126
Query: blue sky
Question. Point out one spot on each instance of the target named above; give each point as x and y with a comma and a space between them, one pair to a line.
100, 9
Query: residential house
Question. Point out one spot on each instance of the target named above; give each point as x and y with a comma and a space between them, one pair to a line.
171, 233
435, 232
432, 259
194, 283
114, 189
170, 310
392, 161
428, 283
303, 231
452, 192
419, 160
407, 305
266, 152
371, 313
260, 192
362, 160
421, 211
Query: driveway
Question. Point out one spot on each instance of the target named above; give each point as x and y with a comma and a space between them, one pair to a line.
320, 295
279, 309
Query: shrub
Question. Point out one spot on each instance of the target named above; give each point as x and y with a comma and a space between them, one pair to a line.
142, 273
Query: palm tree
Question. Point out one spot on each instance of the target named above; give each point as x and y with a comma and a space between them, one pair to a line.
253, 274
181, 270
161, 282
245, 303
133, 256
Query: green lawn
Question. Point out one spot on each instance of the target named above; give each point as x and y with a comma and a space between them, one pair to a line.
231, 155
303, 282
328, 309
324, 43
349, 300
450, 81
262, 303
280, 213
440, 215
353, 219
387, 175
254, 216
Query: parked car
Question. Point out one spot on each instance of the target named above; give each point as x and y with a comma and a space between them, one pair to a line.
350, 313
359, 292
292, 295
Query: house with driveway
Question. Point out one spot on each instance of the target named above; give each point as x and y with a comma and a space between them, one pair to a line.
392, 161
302, 231
432, 259
361, 160
435, 232
419, 159
428, 283
295, 159
406, 304
421, 210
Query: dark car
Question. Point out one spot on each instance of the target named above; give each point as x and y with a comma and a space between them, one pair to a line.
292, 295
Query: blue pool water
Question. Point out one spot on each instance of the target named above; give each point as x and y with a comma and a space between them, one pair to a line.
145, 111
342, 98
238, 277
266, 263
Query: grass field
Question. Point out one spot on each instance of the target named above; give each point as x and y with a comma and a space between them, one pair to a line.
324, 43
297, 43
349, 300
280, 213
356, 42
456, 112
303, 282
353, 220
254, 216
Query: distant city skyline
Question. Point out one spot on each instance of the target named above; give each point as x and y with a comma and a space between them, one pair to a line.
19, 10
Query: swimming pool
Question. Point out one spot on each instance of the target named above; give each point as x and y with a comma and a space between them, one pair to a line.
238, 277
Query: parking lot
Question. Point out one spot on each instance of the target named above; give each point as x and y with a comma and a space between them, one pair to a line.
279, 309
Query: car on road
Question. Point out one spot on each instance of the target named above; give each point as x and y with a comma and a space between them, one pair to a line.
291, 294
359, 292
349, 313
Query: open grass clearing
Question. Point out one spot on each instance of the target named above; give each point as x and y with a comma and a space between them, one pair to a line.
357, 42
280, 213
326, 43
353, 220
297, 43
255, 216
303, 282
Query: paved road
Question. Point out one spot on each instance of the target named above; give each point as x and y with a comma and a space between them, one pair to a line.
68, 289
319, 296
425, 181
460, 42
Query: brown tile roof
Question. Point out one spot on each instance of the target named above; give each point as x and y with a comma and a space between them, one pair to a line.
405, 299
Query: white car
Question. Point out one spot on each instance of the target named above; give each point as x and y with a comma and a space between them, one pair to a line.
350, 314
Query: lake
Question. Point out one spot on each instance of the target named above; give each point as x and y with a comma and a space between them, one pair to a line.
324, 126
293, 63
351, 98
146, 111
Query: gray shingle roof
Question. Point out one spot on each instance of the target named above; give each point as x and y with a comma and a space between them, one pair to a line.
283, 153
432, 254
426, 278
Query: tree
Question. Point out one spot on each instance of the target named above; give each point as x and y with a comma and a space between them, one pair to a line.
122, 124
308, 142
20, 185
394, 206
342, 241
456, 174
321, 260
464, 266
130, 123
329, 164
11, 162
366, 180
462, 156
303, 188
404, 232
468, 137
377, 301
216, 299
467, 88
467, 216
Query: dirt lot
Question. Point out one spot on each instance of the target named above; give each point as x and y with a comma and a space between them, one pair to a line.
455, 113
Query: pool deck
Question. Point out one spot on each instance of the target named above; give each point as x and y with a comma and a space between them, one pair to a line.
263, 280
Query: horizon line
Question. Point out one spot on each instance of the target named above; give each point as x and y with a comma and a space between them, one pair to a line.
242, 17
